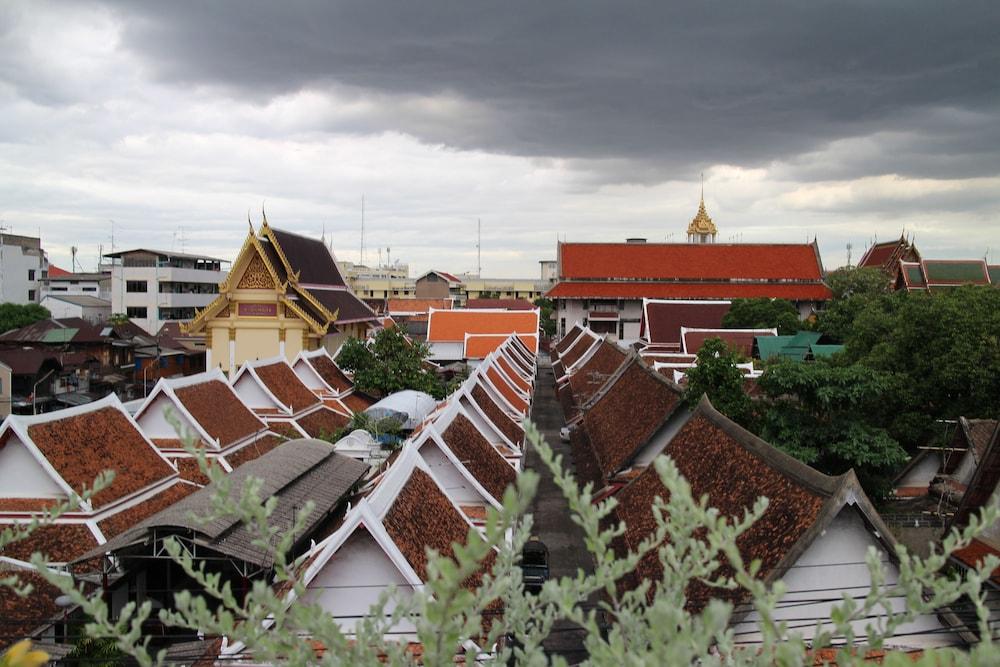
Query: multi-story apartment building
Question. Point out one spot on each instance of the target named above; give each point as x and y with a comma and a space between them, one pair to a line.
77, 284
23, 265
381, 282
155, 286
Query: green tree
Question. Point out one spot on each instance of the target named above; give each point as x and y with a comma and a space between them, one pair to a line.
946, 347
829, 416
388, 363
854, 291
764, 313
15, 315
716, 374
546, 308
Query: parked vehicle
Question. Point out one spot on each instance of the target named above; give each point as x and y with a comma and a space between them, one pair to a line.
534, 565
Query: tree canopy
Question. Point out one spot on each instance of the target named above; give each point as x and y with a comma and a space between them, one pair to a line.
15, 315
716, 374
390, 362
546, 307
854, 291
763, 313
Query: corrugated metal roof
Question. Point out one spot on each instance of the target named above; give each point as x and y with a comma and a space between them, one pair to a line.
295, 472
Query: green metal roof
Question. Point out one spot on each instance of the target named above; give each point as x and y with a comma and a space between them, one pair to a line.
994, 271
914, 275
771, 346
955, 272
59, 335
823, 351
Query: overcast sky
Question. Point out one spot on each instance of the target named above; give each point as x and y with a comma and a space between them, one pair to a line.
575, 120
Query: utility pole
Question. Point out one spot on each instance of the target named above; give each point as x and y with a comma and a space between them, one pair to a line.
479, 248
362, 230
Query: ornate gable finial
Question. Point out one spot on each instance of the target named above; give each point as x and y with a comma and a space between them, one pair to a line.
263, 213
250, 222
702, 229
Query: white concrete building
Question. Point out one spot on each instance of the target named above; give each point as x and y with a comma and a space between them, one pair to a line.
23, 265
154, 286
84, 306
88, 284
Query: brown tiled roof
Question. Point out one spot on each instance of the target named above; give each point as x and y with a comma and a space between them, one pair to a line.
331, 373
116, 523
497, 416
191, 471
218, 410
565, 395
573, 354
484, 462
712, 454
255, 449
61, 542
983, 485
27, 504
23, 615
589, 378
625, 414
310, 257
322, 423
566, 340
82, 446
357, 401
282, 381
421, 517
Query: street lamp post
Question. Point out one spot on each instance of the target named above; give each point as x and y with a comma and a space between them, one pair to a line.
34, 392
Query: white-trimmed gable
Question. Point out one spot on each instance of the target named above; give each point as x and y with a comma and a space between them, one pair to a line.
22, 475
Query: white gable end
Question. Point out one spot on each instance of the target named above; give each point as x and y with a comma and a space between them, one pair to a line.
22, 476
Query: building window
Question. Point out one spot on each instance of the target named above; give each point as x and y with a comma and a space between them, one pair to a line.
562, 326
31, 295
31, 274
136, 311
136, 286
89, 289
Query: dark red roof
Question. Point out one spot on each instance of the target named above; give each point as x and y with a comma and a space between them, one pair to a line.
55, 271
61, 542
22, 616
119, 522
485, 463
219, 411
567, 340
574, 353
741, 340
689, 261
734, 469
507, 304
357, 401
28, 362
310, 257
75, 330
679, 290
282, 381
254, 450
82, 446
342, 302
662, 320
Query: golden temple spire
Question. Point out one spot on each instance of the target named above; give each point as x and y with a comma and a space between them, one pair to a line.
702, 229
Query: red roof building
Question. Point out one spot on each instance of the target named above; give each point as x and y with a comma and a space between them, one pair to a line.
612, 279
889, 254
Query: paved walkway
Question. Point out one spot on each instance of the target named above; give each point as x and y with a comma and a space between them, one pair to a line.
567, 550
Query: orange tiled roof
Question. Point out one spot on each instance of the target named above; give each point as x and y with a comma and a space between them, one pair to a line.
219, 411
452, 325
480, 346
653, 290
417, 305
282, 381
506, 389
686, 261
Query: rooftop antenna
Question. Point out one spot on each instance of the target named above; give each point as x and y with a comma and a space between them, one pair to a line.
73, 263
849, 246
362, 229
479, 248
112, 235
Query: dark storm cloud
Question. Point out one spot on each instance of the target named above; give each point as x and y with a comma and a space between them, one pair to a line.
656, 90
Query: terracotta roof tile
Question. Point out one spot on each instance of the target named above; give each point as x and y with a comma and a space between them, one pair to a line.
331, 373
22, 616
26, 504
738, 339
513, 374
254, 450
219, 411
651, 290
120, 521
506, 304
507, 390
567, 340
421, 517
591, 376
574, 353
190, 471
511, 429
417, 305
282, 381
82, 446
717, 464
479, 346
686, 261
452, 325
485, 463
61, 542
322, 423
357, 401
635, 404
973, 555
